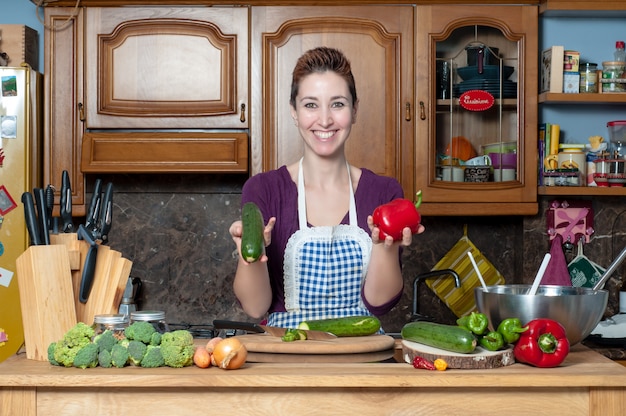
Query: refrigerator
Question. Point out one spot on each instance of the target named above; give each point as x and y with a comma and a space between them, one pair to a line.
20, 171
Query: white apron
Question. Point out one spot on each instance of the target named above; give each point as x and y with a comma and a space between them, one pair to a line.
324, 268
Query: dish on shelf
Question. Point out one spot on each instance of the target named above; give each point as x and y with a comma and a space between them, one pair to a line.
509, 88
489, 72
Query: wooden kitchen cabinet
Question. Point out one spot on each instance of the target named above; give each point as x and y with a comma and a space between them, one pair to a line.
446, 34
146, 89
378, 40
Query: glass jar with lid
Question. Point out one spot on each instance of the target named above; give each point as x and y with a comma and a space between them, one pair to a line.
588, 78
113, 322
156, 318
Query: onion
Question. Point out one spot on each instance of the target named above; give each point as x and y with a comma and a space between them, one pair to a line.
229, 354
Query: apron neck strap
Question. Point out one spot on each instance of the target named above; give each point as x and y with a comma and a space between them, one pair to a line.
302, 217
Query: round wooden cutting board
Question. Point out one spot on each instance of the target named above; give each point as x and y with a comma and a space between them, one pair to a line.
342, 345
480, 358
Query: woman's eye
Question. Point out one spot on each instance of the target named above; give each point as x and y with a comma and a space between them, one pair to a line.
338, 104
310, 105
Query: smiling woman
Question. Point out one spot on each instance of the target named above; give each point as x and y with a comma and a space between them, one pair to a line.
323, 256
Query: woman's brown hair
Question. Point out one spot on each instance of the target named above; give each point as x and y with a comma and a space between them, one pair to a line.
319, 60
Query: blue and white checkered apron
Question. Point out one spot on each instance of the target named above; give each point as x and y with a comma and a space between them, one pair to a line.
324, 268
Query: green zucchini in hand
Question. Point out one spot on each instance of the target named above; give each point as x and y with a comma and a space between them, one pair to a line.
252, 241
446, 337
349, 326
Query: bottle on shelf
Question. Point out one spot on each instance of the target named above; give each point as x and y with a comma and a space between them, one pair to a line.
620, 53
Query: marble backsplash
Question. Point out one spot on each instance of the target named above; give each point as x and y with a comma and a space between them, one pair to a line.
175, 230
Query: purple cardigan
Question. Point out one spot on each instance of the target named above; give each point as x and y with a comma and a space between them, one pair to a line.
276, 195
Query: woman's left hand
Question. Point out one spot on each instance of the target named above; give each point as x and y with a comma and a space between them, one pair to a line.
407, 236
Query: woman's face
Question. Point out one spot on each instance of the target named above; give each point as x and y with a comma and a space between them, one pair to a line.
324, 112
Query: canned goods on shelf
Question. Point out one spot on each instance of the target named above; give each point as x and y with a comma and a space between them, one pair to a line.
588, 77
613, 76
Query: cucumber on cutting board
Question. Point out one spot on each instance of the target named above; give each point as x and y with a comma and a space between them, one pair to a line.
446, 337
349, 326
252, 240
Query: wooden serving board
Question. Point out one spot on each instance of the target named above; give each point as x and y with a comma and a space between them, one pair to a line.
343, 345
365, 357
480, 358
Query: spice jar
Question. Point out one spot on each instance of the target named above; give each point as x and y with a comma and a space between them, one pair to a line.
114, 322
588, 77
612, 75
156, 318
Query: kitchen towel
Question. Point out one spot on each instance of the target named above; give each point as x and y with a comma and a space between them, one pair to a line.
557, 272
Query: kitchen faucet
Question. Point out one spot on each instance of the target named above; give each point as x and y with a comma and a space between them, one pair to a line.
434, 273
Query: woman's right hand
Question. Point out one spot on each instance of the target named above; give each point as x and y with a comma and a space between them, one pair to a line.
236, 230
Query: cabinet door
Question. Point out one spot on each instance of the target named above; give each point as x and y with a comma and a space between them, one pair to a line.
477, 78
379, 43
166, 67
63, 92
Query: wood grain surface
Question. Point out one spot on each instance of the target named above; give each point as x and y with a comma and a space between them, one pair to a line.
343, 345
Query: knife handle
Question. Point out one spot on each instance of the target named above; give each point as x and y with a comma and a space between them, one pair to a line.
42, 210
106, 213
246, 326
89, 270
94, 206
31, 218
66, 203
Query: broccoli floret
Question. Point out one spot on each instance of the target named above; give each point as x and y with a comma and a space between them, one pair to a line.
153, 357
155, 339
119, 355
177, 348
87, 356
104, 359
136, 351
180, 337
140, 331
77, 337
105, 340
51, 348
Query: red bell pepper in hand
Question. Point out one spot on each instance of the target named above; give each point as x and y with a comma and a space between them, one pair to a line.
543, 344
393, 217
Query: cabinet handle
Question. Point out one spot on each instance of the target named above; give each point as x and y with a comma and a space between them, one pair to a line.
81, 112
407, 112
242, 116
422, 111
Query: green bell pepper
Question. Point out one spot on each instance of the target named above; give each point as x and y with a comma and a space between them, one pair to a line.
492, 341
511, 329
475, 322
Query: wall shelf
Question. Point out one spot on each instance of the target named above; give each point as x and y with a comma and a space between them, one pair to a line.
581, 190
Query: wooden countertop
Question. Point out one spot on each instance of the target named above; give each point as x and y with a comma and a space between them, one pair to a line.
582, 368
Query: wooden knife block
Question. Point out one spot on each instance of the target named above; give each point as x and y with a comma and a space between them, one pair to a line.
46, 297
49, 278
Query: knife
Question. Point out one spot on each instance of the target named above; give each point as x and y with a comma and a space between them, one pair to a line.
91, 222
106, 214
42, 210
66, 203
89, 268
270, 330
31, 219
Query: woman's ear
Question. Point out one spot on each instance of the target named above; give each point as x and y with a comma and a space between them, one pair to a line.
294, 116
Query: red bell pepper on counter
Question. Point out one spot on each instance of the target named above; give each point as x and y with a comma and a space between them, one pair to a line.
543, 344
393, 217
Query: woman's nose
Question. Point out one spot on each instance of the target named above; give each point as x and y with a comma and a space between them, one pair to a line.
326, 118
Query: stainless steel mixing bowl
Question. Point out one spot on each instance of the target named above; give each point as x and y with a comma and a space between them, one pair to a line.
578, 309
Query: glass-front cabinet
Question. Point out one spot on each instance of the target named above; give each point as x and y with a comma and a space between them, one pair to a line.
477, 127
